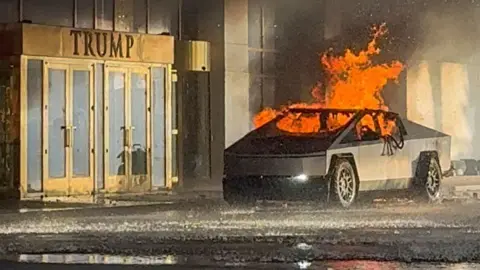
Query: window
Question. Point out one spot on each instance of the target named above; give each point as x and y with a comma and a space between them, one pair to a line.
85, 13
367, 128
49, 12
123, 15
8, 11
140, 16
34, 125
255, 24
262, 43
163, 17
373, 127
263, 27
104, 10
398, 131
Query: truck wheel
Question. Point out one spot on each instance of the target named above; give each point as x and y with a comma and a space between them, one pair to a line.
344, 187
428, 186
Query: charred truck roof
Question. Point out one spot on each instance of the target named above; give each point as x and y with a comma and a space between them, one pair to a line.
269, 140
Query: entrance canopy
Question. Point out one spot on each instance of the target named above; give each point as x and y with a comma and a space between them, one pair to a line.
52, 41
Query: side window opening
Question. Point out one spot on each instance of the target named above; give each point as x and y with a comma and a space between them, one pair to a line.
373, 127
367, 129
398, 132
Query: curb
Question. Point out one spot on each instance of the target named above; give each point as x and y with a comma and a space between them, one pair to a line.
50, 204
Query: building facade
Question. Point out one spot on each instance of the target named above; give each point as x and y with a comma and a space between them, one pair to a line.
108, 96
89, 96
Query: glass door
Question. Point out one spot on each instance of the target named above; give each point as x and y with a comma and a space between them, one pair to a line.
139, 116
81, 100
127, 115
56, 142
68, 113
115, 129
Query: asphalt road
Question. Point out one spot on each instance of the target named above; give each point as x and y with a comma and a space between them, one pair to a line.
211, 231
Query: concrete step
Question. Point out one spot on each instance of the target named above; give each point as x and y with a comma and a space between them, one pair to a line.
461, 187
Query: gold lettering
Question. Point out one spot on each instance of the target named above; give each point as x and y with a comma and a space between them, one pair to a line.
130, 43
75, 34
116, 48
88, 44
102, 44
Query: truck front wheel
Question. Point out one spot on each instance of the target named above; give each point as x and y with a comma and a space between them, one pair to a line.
344, 186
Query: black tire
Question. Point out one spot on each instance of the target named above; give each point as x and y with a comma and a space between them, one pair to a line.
344, 185
429, 180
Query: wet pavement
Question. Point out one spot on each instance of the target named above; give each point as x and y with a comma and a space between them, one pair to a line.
285, 234
81, 261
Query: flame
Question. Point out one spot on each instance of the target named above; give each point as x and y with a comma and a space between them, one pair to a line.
265, 116
353, 82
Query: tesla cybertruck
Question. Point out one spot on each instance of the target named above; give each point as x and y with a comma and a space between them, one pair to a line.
336, 156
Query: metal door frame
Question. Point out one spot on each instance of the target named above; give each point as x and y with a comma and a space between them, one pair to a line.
170, 78
124, 183
69, 185
84, 185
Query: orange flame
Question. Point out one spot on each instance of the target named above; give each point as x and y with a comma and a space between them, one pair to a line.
353, 82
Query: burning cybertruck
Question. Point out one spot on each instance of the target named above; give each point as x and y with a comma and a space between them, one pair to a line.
341, 157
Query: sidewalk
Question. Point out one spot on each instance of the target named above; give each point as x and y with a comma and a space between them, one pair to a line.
106, 201
15, 206
459, 187
160, 197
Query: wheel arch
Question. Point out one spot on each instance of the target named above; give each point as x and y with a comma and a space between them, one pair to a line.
423, 157
347, 156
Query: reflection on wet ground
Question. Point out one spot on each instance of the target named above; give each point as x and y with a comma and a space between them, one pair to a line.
265, 236
101, 259
173, 260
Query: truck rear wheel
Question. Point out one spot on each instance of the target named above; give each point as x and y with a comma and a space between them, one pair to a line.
429, 180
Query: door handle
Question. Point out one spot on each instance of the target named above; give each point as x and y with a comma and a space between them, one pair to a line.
127, 137
68, 136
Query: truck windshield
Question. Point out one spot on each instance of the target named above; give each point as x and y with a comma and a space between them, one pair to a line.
311, 123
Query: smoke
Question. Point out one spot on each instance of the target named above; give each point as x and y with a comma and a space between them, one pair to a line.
443, 75
448, 32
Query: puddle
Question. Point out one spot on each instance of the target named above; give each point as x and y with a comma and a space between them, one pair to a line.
173, 260
29, 210
100, 259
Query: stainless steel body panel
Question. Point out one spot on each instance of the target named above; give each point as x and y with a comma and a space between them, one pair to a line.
238, 165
